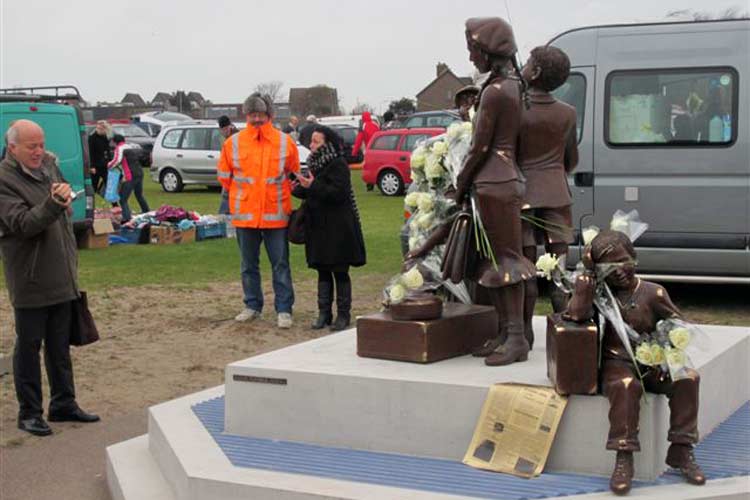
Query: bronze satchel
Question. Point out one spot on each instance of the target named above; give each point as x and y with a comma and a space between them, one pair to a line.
457, 249
83, 330
296, 228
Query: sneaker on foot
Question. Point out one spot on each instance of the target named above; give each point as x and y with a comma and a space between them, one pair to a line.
247, 314
284, 320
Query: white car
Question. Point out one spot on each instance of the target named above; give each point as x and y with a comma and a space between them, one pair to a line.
153, 121
187, 153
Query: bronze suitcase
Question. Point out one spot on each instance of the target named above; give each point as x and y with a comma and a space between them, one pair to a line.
572, 355
461, 329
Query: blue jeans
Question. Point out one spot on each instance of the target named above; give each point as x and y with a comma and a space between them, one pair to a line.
277, 248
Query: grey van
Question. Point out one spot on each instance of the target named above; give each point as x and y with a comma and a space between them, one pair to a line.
663, 127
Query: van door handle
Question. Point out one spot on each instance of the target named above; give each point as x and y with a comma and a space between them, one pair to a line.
211, 156
179, 155
583, 179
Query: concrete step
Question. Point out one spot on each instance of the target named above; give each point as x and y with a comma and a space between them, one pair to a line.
320, 392
132, 472
190, 451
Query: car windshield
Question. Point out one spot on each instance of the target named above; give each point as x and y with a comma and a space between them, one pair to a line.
129, 131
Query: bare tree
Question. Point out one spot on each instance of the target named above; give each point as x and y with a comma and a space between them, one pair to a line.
695, 15
271, 88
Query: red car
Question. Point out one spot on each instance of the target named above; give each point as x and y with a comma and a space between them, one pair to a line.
388, 157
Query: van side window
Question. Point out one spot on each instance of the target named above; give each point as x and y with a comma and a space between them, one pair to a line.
676, 107
172, 138
387, 142
573, 92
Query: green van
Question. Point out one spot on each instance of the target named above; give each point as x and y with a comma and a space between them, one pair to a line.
64, 135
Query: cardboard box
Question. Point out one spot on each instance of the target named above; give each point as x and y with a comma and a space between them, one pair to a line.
170, 235
460, 330
98, 235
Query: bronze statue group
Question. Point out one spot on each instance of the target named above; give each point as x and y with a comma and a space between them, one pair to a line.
524, 143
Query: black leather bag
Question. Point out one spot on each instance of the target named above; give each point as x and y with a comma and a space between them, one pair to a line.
296, 228
83, 330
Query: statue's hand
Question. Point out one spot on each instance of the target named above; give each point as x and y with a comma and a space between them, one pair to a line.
586, 259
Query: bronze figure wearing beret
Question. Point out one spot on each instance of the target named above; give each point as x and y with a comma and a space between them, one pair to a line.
642, 304
547, 151
491, 173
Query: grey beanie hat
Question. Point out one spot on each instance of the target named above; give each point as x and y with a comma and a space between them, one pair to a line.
258, 103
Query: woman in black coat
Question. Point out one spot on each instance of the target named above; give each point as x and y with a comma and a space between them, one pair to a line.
333, 235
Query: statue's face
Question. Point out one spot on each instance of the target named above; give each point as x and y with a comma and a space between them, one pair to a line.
623, 275
478, 58
530, 71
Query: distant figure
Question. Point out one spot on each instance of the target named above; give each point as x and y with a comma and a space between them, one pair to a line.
39, 255
465, 99
292, 128
100, 152
305, 133
226, 129
366, 132
121, 161
389, 120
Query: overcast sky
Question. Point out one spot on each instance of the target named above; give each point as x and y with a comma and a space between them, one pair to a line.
372, 52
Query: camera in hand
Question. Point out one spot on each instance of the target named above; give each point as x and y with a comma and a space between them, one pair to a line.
292, 176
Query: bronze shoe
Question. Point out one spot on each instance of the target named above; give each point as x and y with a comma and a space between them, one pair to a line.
622, 475
515, 349
487, 348
681, 457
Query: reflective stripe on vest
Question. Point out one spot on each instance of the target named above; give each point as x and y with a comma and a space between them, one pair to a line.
239, 179
224, 175
279, 180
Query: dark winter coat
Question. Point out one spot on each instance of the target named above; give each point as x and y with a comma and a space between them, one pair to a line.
333, 235
100, 152
37, 244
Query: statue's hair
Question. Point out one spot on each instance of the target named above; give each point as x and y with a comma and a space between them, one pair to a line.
606, 241
555, 66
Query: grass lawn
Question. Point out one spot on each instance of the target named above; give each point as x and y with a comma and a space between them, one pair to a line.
218, 260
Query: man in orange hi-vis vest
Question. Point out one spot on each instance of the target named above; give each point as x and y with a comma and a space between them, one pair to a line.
253, 168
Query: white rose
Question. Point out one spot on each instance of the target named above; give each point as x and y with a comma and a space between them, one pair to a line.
426, 202
547, 263
440, 148
424, 221
418, 157
412, 199
680, 337
644, 355
620, 224
657, 353
589, 234
467, 127
454, 131
433, 169
675, 359
413, 242
397, 293
413, 278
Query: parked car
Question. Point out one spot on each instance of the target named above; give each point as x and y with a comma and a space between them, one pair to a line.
135, 135
387, 162
663, 128
349, 134
152, 121
63, 136
431, 119
187, 153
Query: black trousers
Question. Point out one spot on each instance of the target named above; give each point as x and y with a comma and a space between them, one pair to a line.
51, 325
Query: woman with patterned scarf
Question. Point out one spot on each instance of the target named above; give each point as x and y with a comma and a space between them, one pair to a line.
333, 234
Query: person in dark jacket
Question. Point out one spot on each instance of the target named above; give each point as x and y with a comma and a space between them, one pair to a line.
227, 130
127, 158
333, 234
39, 255
100, 152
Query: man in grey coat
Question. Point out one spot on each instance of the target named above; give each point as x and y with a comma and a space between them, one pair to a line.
39, 256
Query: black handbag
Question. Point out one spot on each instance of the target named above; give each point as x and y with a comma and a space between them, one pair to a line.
296, 228
83, 330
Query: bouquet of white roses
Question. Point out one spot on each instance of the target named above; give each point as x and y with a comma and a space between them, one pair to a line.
400, 286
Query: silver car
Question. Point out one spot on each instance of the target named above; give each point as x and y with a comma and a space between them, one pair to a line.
187, 153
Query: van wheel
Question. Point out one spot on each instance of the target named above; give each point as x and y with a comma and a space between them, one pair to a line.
171, 181
390, 183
